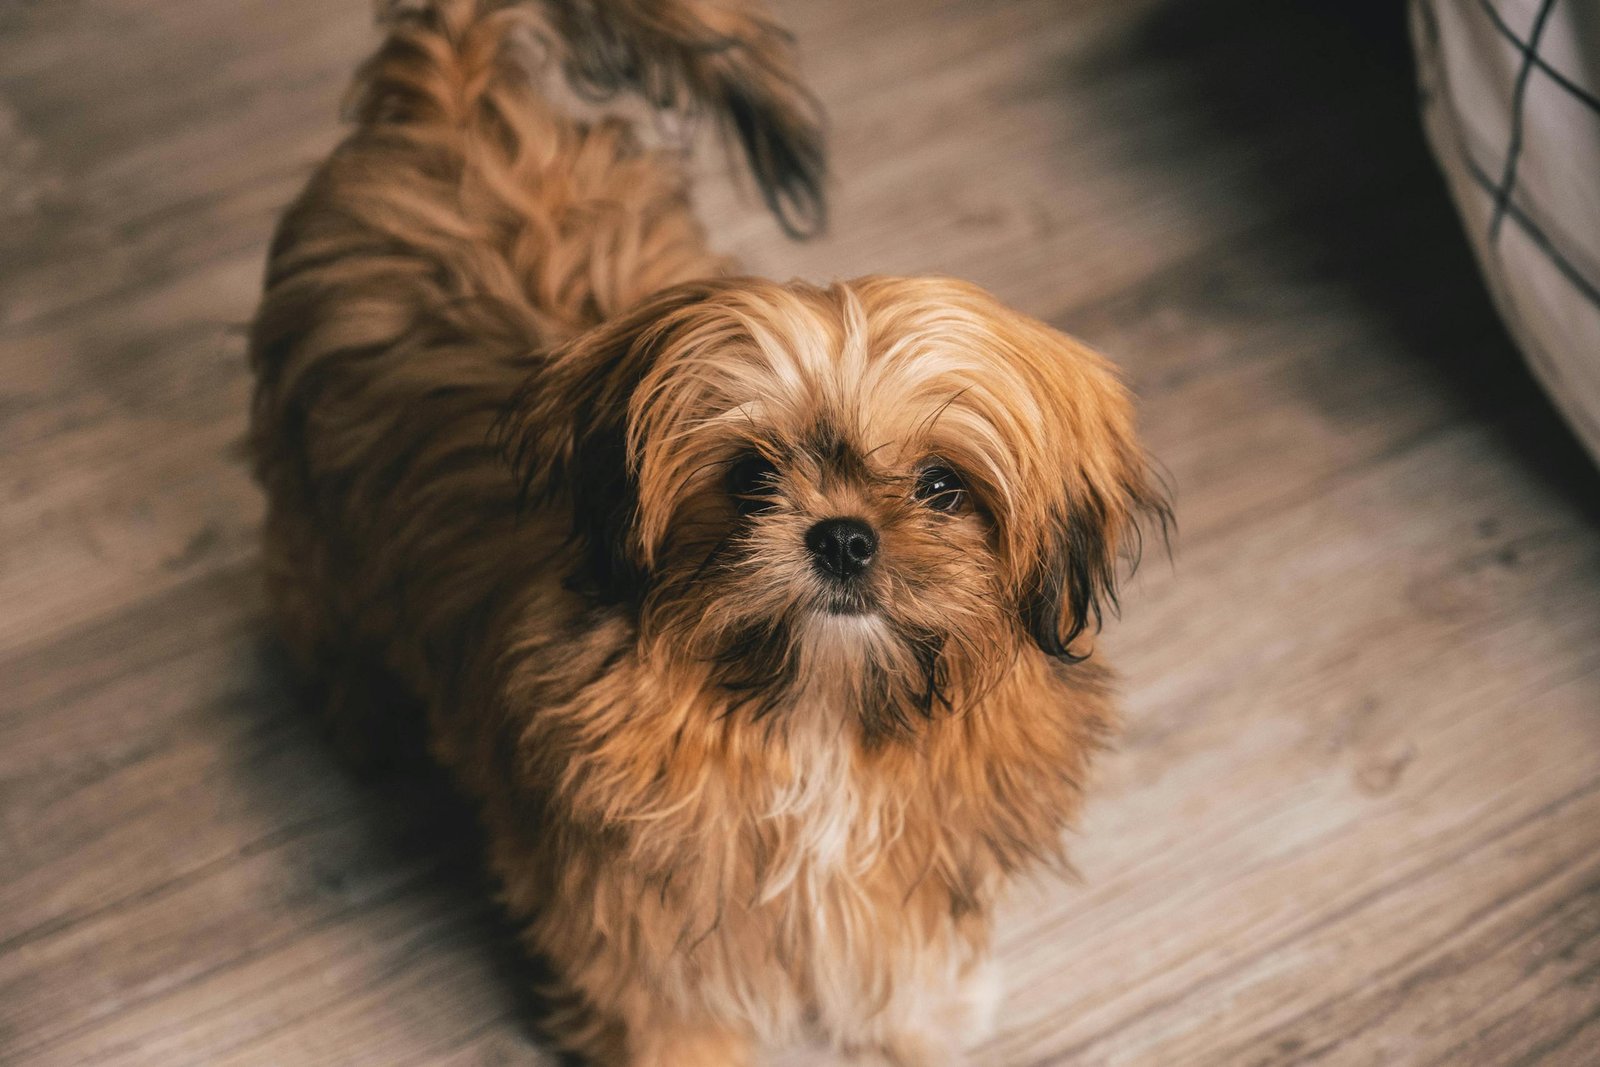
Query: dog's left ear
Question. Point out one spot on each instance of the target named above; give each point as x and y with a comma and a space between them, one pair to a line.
1098, 536
566, 435
1094, 526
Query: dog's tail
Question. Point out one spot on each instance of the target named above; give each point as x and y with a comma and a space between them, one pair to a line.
724, 55
725, 58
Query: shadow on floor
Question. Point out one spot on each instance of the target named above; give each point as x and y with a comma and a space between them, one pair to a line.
413, 812
1324, 95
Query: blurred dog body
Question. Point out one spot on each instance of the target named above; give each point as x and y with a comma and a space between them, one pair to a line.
748, 611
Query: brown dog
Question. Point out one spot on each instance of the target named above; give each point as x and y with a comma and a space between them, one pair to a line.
746, 610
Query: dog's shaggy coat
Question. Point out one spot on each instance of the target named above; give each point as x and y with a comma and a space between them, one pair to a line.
539, 465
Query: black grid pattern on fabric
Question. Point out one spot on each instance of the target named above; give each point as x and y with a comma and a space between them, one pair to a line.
1540, 239
1538, 61
1501, 190
1445, 102
1519, 96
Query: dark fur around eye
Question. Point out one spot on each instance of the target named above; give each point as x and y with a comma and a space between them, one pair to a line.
752, 479
941, 488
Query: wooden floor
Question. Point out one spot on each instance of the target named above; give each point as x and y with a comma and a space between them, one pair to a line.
1355, 818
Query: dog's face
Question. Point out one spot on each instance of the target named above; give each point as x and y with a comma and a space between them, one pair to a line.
893, 486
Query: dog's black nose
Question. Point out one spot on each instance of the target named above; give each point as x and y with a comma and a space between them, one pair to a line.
841, 547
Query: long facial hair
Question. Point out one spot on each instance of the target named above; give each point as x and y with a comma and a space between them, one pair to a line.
740, 594
700, 437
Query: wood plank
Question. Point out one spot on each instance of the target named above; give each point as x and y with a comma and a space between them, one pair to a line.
1320, 757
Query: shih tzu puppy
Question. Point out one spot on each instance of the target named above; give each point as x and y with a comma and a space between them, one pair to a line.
752, 614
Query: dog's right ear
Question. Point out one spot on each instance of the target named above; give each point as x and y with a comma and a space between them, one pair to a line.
566, 435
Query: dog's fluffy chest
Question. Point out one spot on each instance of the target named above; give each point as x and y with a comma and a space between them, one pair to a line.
817, 903
819, 818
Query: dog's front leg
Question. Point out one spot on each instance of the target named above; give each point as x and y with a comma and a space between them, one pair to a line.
942, 1024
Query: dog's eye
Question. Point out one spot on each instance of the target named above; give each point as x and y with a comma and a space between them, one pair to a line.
751, 480
940, 488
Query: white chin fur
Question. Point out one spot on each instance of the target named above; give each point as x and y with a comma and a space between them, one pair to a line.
825, 626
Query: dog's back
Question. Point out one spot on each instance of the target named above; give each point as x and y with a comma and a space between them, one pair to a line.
467, 226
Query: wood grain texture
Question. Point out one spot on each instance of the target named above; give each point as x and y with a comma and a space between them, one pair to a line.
1356, 815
